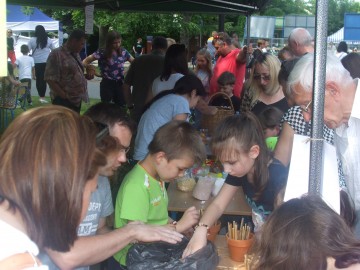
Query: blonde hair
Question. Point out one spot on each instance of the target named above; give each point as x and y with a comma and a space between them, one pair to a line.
273, 64
206, 54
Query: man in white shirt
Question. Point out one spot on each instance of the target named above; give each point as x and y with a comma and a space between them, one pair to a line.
341, 112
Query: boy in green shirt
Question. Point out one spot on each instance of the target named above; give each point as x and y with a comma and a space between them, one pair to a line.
142, 196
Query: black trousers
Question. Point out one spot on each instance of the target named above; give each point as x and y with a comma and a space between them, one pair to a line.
40, 82
66, 103
111, 91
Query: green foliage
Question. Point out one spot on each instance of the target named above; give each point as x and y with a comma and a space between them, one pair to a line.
183, 26
27, 10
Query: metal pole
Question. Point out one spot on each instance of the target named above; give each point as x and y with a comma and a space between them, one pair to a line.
221, 22
316, 152
248, 56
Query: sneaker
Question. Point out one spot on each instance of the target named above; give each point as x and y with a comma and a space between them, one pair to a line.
43, 100
30, 104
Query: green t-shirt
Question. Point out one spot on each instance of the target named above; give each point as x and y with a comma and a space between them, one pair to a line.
142, 198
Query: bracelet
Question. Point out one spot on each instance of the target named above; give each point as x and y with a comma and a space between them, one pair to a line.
201, 225
174, 224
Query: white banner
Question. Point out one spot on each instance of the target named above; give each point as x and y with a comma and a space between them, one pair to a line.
261, 27
298, 180
89, 19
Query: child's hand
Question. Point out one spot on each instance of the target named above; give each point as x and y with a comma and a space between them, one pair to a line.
197, 242
188, 220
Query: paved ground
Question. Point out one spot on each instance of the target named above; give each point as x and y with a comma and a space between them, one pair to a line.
93, 88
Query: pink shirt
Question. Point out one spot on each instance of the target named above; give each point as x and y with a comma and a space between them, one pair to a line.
229, 63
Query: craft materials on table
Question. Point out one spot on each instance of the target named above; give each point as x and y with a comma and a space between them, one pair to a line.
237, 232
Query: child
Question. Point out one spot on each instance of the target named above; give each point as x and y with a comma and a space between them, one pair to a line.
226, 83
203, 68
239, 144
176, 146
169, 105
306, 234
270, 119
26, 66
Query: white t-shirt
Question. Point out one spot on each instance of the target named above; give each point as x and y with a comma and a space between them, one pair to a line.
14, 241
40, 55
159, 86
25, 64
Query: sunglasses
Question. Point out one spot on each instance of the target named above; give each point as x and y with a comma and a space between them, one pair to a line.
258, 77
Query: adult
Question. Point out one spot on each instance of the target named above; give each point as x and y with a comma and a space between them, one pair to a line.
263, 88
138, 47
170, 105
307, 234
95, 237
261, 45
49, 164
341, 50
300, 42
230, 59
170, 41
285, 54
65, 73
341, 112
293, 122
10, 46
41, 46
175, 66
111, 60
140, 76
352, 63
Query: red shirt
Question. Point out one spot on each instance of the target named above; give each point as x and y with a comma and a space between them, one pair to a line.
229, 63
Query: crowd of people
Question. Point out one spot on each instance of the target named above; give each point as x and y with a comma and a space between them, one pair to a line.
55, 196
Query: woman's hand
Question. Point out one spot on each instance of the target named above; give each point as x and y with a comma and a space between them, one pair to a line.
189, 219
197, 242
153, 233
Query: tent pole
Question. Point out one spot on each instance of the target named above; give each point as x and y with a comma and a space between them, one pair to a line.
316, 150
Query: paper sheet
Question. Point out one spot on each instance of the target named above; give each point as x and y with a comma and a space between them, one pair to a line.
298, 179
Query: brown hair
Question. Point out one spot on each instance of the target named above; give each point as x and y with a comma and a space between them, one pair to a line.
237, 134
178, 139
302, 234
47, 155
110, 38
109, 114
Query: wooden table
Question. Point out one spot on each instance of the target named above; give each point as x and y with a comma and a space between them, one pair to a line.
180, 201
225, 261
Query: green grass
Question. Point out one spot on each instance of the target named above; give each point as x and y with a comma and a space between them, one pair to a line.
36, 103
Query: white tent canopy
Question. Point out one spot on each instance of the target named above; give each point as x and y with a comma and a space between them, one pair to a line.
337, 36
18, 21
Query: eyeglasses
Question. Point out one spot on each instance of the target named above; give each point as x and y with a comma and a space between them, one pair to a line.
9, 32
104, 131
306, 108
125, 150
264, 77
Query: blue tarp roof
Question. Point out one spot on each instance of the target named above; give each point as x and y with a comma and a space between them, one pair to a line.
15, 14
